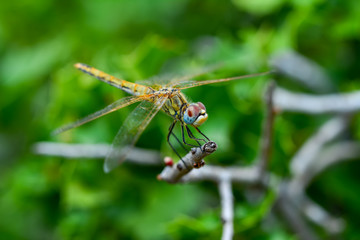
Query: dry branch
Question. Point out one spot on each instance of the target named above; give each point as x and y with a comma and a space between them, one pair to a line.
267, 132
304, 167
331, 155
293, 218
303, 71
94, 151
303, 159
227, 207
242, 175
194, 158
318, 215
285, 100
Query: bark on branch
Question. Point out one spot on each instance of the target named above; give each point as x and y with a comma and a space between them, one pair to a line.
194, 159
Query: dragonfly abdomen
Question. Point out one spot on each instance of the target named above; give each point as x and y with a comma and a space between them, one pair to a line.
128, 87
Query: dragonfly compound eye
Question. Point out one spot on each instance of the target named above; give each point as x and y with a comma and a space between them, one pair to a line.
191, 114
201, 106
195, 114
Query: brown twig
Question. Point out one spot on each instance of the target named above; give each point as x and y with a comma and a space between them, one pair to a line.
194, 158
267, 133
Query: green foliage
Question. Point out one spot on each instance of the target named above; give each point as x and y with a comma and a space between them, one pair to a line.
54, 198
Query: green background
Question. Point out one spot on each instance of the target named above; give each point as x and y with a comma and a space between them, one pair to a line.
40, 90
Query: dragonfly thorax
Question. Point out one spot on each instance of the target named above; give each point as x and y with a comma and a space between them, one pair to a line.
195, 114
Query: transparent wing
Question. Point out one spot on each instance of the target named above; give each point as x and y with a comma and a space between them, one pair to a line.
123, 102
170, 79
130, 131
190, 84
197, 73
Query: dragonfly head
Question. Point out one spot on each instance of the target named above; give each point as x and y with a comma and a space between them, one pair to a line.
195, 114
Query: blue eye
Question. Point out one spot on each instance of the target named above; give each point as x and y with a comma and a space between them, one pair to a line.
188, 119
191, 114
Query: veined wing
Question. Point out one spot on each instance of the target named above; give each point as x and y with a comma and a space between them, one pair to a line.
123, 102
176, 80
169, 80
130, 131
190, 84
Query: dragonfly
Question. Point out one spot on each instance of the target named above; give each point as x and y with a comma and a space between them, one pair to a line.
153, 98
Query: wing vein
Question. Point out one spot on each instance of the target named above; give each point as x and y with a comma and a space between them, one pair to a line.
130, 131
191, 84
123, 102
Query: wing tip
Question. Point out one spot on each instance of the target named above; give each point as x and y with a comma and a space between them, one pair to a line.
106, 168
114, 158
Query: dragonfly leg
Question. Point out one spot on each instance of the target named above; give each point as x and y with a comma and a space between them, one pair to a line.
183, 137
191, 135
180, 143
202, 133
173, 134
172, 147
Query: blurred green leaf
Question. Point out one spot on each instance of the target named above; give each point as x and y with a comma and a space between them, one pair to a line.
259, 7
